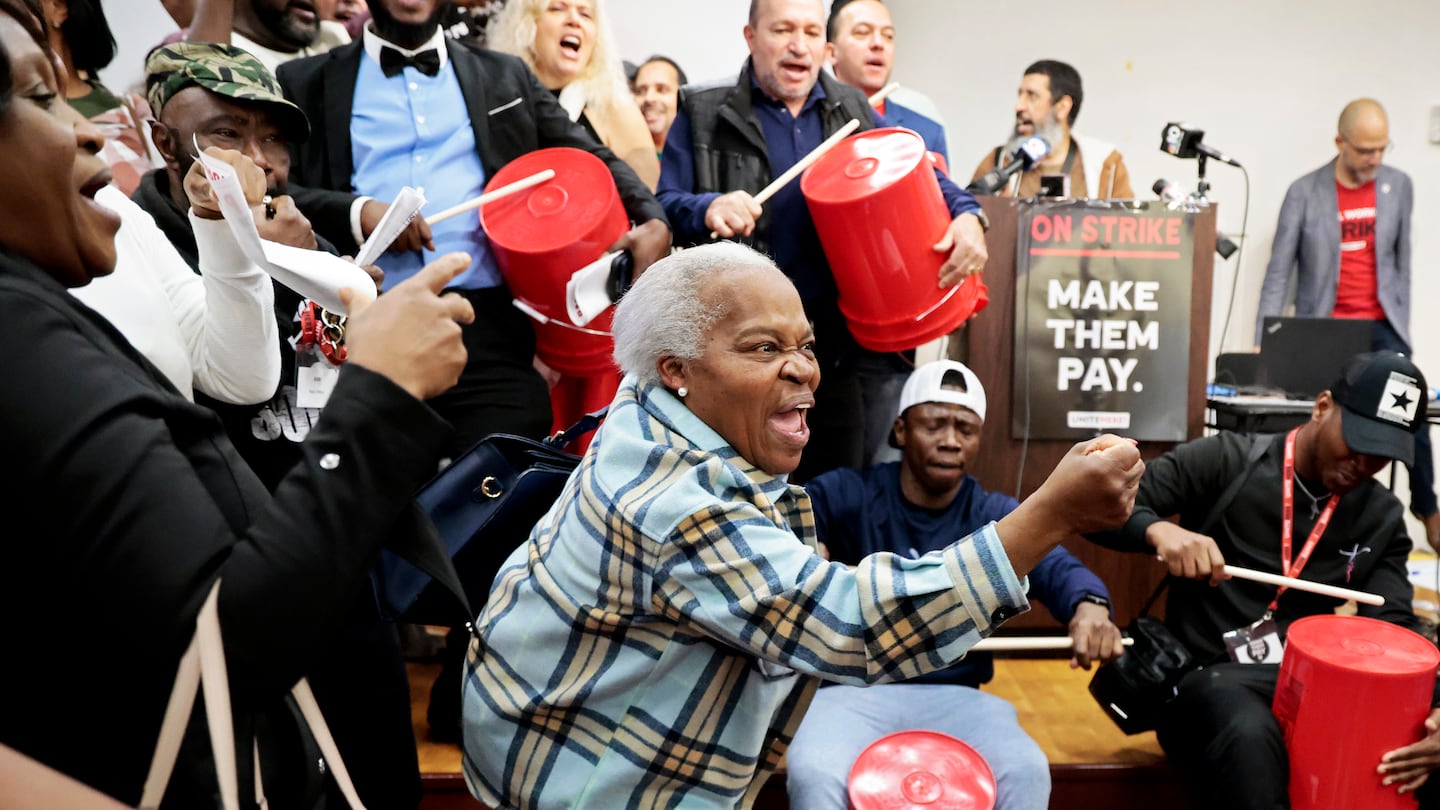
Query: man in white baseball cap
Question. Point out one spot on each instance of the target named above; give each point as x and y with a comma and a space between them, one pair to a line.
910, 508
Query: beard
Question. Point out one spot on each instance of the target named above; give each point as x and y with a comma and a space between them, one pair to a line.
1049, 128
285, 27
406, 35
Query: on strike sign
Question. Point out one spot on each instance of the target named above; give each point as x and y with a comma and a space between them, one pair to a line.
1102, 336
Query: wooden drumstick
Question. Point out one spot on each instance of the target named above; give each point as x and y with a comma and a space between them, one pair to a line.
490, 196
1021, 643
882, 93
1304, 585
802, 164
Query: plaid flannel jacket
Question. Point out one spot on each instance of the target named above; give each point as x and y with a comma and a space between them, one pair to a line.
656, 641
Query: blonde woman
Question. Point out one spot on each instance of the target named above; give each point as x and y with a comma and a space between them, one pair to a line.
569, 46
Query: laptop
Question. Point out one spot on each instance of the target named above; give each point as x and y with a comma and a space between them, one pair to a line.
1304, 356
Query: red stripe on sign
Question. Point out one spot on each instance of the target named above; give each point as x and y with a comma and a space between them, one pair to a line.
1118, 254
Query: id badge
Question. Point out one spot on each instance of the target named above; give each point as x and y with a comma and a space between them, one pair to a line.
1258, 643
315, 378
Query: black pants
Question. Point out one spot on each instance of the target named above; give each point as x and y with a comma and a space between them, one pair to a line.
1221, 732
361, 686
499, 391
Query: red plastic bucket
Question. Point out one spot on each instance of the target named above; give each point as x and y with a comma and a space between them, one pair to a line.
879, 213
544, 234
1350, 689
923, 770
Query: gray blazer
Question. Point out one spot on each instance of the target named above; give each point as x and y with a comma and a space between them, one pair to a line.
1307, 248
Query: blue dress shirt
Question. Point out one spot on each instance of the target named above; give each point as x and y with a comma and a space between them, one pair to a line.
414, 130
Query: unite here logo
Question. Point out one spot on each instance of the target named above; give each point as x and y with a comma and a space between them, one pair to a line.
1400, 400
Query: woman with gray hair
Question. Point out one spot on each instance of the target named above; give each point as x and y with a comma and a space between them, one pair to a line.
657, 639
571, 49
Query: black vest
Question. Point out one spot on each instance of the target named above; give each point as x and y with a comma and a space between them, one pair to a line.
729, 143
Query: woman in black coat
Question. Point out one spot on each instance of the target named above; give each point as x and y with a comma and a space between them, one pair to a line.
123, 502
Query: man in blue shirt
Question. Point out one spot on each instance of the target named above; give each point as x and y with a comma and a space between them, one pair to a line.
404, 106
860, 45
728, 141
912, 507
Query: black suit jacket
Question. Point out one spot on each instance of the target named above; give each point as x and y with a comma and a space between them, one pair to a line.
123, 502
511, 113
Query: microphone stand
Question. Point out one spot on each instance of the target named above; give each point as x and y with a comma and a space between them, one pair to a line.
1202, 186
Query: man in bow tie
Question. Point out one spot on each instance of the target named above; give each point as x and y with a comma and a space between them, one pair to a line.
405, 107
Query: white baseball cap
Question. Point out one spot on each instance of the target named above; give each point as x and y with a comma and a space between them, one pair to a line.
943, 381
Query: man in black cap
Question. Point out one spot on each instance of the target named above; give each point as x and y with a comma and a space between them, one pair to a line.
1347, 530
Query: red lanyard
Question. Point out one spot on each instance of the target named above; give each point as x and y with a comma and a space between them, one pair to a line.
1287, 521
319, 328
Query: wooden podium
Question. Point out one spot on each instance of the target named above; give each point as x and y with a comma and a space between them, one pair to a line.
988, 348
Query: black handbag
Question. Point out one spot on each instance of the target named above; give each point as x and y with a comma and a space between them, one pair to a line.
483, 507
1134, 688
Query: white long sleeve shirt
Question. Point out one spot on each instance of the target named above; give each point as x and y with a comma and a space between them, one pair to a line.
214, 332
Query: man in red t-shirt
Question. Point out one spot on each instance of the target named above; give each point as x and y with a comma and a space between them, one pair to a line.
1344, 236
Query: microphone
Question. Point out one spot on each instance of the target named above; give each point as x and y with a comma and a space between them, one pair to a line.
1171, 192
1026, 155
1185, 141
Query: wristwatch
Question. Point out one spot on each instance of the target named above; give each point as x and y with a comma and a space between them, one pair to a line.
1095, 599
980, 215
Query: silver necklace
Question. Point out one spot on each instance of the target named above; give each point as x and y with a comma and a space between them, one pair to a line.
1314, 501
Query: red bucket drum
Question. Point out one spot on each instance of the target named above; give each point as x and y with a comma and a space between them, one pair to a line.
921, 770
544, 234
1350, 689
879, 213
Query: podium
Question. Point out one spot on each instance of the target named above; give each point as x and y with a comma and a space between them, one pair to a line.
1078, 246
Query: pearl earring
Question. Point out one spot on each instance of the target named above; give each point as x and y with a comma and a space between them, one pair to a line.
682, 392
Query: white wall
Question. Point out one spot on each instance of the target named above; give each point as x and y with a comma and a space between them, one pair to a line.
704, 36
138, 26
1265, 80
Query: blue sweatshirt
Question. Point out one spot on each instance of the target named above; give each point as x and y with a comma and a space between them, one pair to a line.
858, 513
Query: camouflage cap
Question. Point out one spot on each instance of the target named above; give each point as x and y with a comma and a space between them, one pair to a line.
224, 70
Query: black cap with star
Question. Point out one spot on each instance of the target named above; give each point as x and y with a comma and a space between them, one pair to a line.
1382, 397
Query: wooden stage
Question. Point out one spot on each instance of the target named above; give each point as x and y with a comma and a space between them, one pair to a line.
1093, 765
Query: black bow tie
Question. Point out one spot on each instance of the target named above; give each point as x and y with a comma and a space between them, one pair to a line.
392, 61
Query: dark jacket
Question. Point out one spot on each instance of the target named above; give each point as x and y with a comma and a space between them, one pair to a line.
360, 680
324, 87
124, 502
1365, 546
864, 512
729, 144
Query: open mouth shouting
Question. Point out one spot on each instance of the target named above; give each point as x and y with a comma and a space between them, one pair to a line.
790, 422
90, 188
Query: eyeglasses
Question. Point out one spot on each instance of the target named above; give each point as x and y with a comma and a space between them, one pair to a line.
1373, 152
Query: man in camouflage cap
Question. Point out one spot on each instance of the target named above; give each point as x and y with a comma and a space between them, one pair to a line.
221, 96
218, 95
225, 70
